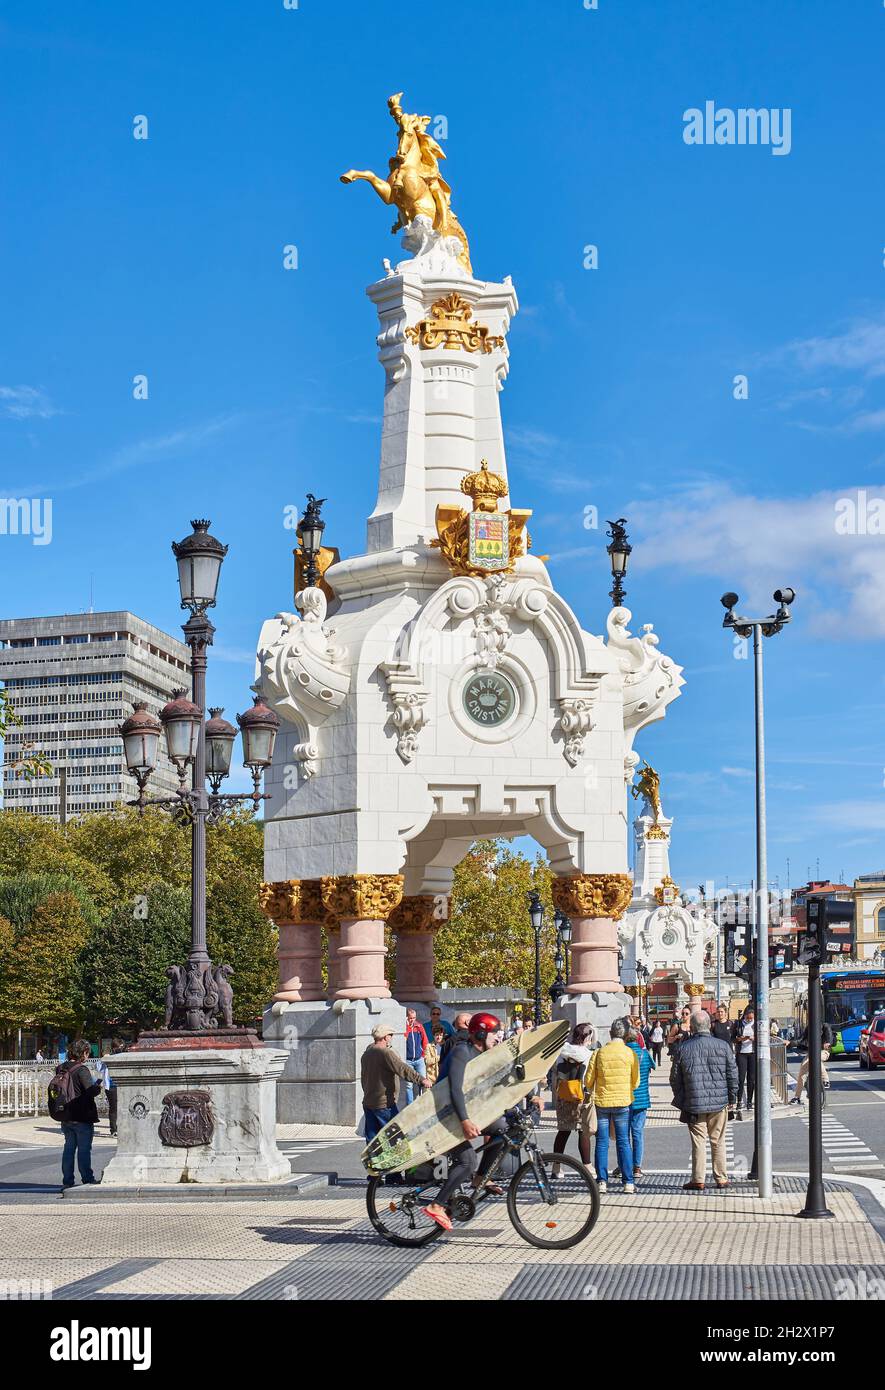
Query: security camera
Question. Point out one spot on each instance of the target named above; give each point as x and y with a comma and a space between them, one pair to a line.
729, 600
784, 596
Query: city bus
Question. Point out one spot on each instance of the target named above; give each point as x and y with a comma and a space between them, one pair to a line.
851, 997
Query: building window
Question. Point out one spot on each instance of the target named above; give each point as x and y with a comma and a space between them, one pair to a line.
880, 922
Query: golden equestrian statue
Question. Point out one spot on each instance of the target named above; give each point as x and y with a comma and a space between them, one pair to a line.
415, 185
649, 787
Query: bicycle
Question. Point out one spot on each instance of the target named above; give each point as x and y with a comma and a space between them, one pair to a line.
538, 1203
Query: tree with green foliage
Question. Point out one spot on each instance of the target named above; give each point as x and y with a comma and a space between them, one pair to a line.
39, 985
489, 938
123, 967
29, 763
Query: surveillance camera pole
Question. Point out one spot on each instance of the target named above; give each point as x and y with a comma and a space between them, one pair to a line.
761, 627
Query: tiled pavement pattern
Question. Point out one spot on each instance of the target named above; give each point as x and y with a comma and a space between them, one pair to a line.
323, 1247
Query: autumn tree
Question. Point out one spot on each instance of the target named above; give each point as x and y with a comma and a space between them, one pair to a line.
488, 939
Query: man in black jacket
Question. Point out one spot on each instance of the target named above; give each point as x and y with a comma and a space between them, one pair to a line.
81, 1116
704, 1078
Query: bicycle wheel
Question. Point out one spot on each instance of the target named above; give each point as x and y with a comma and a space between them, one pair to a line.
396, 1211
563, 1214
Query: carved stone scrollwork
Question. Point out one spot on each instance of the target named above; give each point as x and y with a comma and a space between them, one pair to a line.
593, 895
306, 754
369, 897
305, 673
575, 722
651, 680
409, 698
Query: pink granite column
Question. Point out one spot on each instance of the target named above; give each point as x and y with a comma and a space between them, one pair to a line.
296, 908
595, 903
361, 903
415, 922
333, 941
299, 953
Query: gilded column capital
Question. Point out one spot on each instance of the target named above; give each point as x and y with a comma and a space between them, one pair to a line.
419, 912
695, 991
367, 897
293, 902
632, 990
593, 895
279, 901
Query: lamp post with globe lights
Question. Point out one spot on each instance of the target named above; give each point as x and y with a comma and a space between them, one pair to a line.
196, 994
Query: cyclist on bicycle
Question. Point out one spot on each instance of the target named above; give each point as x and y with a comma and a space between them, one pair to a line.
466, 1162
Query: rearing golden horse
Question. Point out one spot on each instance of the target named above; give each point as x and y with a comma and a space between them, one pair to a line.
415, 185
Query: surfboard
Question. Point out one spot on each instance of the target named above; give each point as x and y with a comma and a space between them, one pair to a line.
493, 1082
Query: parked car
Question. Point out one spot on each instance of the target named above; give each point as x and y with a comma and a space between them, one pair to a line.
871, 1048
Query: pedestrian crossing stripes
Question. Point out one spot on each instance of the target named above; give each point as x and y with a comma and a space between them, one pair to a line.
843, 1148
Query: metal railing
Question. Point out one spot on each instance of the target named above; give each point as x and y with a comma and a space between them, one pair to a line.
23, 1088
780, 1084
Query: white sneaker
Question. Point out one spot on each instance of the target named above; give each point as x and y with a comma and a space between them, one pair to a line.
602, 1187
629, 1187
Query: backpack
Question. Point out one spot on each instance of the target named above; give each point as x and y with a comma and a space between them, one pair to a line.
570, 1085
60, 1092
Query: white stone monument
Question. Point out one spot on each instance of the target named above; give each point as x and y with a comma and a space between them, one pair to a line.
196, 1115
436, 687
658, 931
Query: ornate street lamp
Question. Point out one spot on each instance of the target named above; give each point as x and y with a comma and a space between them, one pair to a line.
198, 990
563, 935
141, 738
259, 727
642, 977
310, 535
618, 552
220, 739
536, 917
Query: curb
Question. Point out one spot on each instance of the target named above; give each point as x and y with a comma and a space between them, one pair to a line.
197, 1192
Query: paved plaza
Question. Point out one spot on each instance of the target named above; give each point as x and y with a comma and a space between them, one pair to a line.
660, 1243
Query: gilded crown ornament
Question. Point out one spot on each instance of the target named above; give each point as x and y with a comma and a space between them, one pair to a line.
451, 326
484, 541
667, 892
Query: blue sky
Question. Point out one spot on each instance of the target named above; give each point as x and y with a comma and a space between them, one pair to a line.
165, 257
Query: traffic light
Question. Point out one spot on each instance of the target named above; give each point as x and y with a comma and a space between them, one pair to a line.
829, 929
737, 958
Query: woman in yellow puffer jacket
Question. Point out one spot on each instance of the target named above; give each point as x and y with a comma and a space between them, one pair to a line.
612, 1077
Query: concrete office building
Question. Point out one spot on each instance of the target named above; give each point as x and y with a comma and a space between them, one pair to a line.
73, 680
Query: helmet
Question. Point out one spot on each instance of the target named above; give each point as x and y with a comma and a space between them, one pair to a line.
481, 1025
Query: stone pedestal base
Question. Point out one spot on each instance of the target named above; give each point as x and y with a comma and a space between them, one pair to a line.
321, 1081
598, 1009
223, 1110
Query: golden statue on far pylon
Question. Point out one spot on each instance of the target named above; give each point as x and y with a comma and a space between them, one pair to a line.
649, 787
415, 186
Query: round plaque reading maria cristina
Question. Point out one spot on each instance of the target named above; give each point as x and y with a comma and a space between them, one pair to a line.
489, 698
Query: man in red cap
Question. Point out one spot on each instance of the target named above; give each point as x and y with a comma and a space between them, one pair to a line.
466, 1160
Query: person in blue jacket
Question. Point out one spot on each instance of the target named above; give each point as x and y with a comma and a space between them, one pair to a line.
641, 1103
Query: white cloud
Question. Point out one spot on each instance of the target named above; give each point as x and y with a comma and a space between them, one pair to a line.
758, 544
861, 347
26, 403
737, 772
